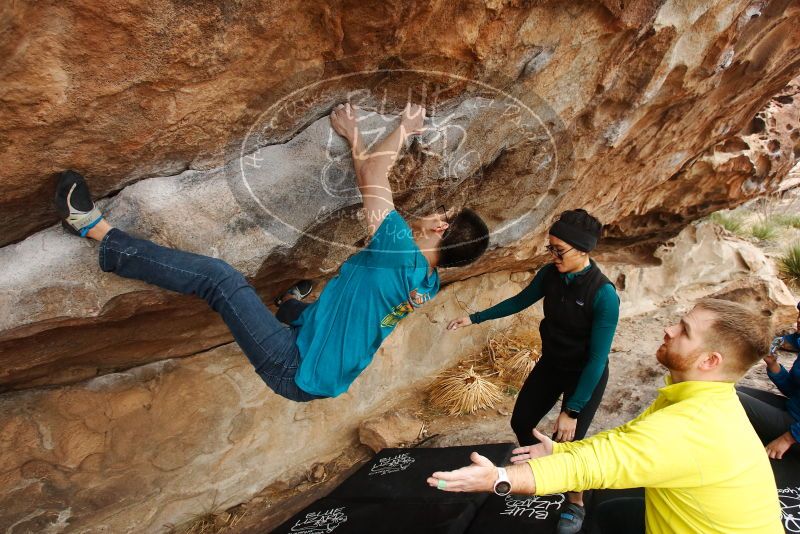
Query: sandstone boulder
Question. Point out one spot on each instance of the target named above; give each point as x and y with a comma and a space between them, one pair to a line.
393, 429
135, 450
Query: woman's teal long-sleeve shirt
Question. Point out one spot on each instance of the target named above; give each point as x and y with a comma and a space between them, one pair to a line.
605, 310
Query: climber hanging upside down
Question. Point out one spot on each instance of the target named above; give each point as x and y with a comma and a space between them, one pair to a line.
328, 342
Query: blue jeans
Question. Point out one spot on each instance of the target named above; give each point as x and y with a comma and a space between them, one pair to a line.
269, 345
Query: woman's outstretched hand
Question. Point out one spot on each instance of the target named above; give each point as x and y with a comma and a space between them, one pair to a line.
458, 323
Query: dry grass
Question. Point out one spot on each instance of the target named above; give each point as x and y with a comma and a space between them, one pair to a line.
209, 523
513, 357
465, 390
480, 383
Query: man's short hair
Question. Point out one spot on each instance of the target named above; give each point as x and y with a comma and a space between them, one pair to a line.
465, 241
737, 331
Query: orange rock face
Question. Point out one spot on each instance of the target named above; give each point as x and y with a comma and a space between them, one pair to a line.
629, 101
124, 91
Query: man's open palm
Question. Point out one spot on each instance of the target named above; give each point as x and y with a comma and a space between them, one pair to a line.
531, 452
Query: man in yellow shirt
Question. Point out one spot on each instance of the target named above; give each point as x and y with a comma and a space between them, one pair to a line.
693, 450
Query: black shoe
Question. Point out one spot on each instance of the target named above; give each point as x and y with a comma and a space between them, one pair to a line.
300, 290
571, 519
74, 204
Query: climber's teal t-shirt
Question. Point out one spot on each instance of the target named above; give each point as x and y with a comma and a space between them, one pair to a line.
375, 288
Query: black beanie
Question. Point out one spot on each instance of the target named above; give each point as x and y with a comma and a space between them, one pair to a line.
577, 228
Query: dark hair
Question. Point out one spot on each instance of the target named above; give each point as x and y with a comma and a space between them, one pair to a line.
465, 241
737, 330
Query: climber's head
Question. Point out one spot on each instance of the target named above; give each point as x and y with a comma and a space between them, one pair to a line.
457, 237
571, 238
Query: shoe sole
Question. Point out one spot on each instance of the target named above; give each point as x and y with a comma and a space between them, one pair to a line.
67, 181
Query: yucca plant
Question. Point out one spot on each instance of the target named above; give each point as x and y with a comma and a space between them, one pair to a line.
512, 357
764, 230
463, 390
731, 222
789, 263
785, 219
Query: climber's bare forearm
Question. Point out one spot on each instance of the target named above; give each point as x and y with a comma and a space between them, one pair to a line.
372, 173
372, 167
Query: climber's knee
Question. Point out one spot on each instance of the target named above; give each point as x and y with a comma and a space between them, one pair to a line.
223, 276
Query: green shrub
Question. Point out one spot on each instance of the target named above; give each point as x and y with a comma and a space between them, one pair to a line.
764, 230
730, 222
790, 262
787, 220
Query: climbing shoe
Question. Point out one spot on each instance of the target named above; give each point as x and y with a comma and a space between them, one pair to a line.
74, 204
299, 291
571, 519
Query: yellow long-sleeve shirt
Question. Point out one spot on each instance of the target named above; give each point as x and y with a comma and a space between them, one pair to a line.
695, 453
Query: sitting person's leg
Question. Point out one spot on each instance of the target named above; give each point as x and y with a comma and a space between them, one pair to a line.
773, 399
269, 346
624, 515
766, 412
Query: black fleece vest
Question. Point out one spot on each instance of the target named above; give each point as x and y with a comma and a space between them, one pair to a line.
567, 324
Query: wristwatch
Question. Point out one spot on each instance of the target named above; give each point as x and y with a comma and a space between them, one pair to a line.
502, 485
572, 414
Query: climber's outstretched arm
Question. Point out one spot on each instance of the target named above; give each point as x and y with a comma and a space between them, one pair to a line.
372, 167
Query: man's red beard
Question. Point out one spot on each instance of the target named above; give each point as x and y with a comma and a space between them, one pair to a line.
672, 360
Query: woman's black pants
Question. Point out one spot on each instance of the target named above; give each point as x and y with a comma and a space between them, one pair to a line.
540, 393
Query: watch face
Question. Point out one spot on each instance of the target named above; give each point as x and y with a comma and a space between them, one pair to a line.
502, 488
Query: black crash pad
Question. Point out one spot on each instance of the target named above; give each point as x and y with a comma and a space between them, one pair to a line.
389, 517
518, 514
389, 494
787, 478
401, 474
